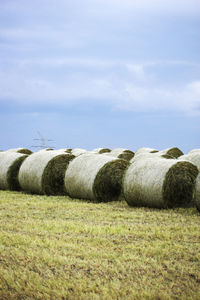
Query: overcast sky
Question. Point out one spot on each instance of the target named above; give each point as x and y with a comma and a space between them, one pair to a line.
100, 73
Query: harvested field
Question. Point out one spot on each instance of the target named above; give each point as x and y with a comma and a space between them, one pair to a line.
61, 248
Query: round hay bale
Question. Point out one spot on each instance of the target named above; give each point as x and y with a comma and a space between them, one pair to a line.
20, 150
121, 153
170, 153
193, 157
160, 183
193, 150
46, 149
69, 150
145, 150
43, 172
63, 150
10, 163
197, 193
101, 150
78, 151
144, 155
95, 177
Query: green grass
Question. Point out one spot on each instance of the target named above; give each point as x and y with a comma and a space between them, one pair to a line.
60, 248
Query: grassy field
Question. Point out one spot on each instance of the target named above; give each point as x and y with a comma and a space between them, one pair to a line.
62, 248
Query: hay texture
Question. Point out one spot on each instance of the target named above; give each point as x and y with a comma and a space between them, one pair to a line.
43, 172
101, 150
160, 183
145, 150
78, 151
95, 177
144, 155
10, 163
121, 153
193, 157
193, 150
170, 153
46, 149
20, 150
197, 193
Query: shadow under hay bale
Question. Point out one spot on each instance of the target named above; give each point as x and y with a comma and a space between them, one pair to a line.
160, 183
95, 177
10, 163
43, 172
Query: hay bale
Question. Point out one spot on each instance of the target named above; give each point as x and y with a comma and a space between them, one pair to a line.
63, 150
170, 153
121, 153
197, 193
78, 151
193, 150
20, 150
43, 172
193, 157
46, 149
145, 150
144, 155
95, 177
69, 150
101, 150
10, 163
160, 183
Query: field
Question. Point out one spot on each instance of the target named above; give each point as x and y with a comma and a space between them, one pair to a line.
62, 248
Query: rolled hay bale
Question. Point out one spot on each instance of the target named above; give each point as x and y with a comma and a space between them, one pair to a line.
10, 163
69, 150
170, 153
20, 150
145, 150
46, 149
160, 183
63, 150
144, 155
121, 153
43, 172
101, 150
197, 193
193, 157
194, 150
95, 177
78, 151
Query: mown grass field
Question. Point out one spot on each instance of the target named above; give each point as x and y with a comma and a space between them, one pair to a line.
62, 248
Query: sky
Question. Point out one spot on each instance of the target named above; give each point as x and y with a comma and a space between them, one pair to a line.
100, 73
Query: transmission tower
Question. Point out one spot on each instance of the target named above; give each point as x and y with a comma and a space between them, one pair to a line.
43, 142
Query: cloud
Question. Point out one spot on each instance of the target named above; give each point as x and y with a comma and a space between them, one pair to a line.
104, 6
185, 99
123, 85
